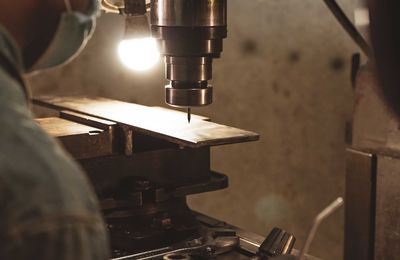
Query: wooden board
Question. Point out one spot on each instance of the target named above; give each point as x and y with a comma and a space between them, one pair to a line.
164, 124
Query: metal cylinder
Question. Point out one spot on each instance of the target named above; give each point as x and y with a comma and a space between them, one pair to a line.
178, 97
201, 47
189, 13
188, 69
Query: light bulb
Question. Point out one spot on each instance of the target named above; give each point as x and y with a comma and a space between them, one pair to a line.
139, 54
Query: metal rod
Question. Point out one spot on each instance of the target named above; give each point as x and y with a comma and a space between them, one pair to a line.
189, 114
348, 26
317, 221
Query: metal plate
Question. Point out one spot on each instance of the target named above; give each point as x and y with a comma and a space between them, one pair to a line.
58, 127
81, 141
360, 205
163, 124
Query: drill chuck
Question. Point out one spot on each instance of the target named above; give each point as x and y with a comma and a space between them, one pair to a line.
190, 34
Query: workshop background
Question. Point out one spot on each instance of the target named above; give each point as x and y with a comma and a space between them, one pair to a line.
284, 73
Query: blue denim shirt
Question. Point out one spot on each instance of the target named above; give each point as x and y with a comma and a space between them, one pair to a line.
48, 210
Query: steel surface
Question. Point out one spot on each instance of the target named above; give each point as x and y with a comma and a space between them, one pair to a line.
162, 124
81, 141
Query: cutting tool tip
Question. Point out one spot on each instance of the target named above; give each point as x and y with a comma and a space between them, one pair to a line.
189, 114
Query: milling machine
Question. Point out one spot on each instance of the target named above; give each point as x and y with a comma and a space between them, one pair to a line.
142, 173
143, 170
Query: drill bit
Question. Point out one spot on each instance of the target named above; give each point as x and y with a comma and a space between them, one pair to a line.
189, 114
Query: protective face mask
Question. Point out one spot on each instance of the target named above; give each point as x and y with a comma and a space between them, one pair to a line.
74, 31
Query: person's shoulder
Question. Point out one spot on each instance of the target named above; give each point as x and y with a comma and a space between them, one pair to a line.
23, 141
11, 89
34, 164
41, 187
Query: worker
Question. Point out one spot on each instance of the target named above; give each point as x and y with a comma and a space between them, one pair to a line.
48, 210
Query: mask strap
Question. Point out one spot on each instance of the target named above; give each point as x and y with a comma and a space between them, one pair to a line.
68, 6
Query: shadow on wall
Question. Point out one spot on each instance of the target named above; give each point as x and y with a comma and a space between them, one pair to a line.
284, 73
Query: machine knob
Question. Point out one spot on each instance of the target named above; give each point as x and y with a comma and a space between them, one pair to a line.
278, 243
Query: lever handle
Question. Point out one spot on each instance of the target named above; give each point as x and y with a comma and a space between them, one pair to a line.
278, 243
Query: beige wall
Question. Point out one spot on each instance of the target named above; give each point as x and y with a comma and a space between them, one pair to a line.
284, 74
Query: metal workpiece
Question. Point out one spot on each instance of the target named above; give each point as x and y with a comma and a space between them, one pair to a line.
81, 141
188, 13
164, 125
180, 113
192, 97
105, 125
